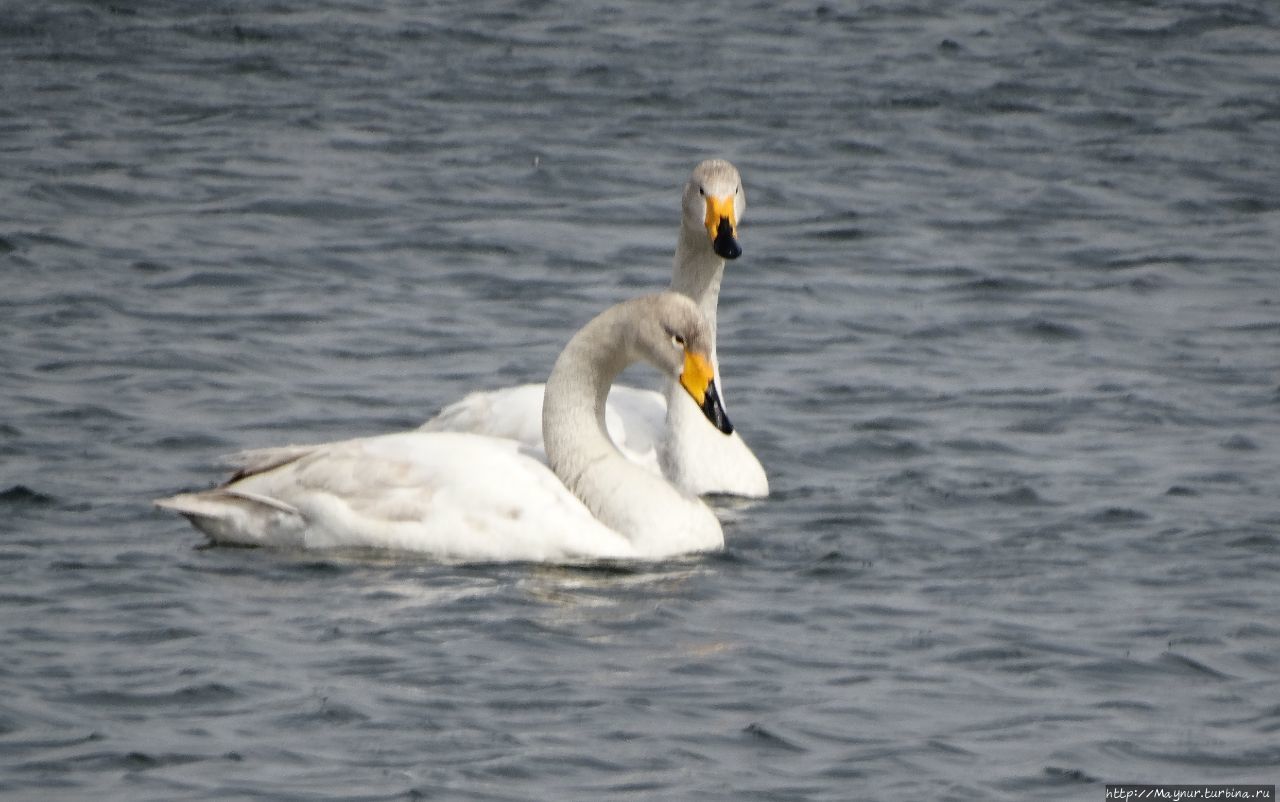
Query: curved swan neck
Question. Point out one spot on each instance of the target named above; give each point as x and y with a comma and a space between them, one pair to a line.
656, 517
573, 426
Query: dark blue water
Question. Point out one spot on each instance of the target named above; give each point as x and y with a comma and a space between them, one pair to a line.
1006, 334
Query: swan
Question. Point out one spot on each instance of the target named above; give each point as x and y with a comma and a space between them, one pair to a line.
663, 431
468, 497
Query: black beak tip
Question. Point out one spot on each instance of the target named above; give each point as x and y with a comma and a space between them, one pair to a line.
725, 244
712, 408
726, 248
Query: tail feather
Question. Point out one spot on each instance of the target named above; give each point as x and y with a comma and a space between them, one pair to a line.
261, 460
235, 516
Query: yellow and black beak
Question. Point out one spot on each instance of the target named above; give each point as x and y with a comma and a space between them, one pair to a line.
722, 226
699, 381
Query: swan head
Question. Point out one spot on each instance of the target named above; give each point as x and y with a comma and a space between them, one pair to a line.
714, 202
676, 338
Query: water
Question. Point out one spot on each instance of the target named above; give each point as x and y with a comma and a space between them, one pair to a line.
1006, 333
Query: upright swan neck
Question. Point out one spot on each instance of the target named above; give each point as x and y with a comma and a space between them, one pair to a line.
697, 273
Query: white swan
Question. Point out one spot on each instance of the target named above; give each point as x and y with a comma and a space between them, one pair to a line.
461, 496
664, 432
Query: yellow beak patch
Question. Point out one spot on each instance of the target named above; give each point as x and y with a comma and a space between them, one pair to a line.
720, 208
697, 376
699, 381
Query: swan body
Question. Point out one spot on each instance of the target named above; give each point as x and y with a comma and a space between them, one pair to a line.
633, 418
663, 431
473, 497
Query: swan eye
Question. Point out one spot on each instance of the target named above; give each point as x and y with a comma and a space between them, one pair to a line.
702, 192
677, 340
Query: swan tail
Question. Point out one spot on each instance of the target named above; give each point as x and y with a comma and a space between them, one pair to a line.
239, 517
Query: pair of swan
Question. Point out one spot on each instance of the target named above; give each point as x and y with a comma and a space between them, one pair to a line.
662, 431
472, 485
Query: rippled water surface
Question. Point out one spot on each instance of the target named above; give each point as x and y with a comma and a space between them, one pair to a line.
1006, 334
